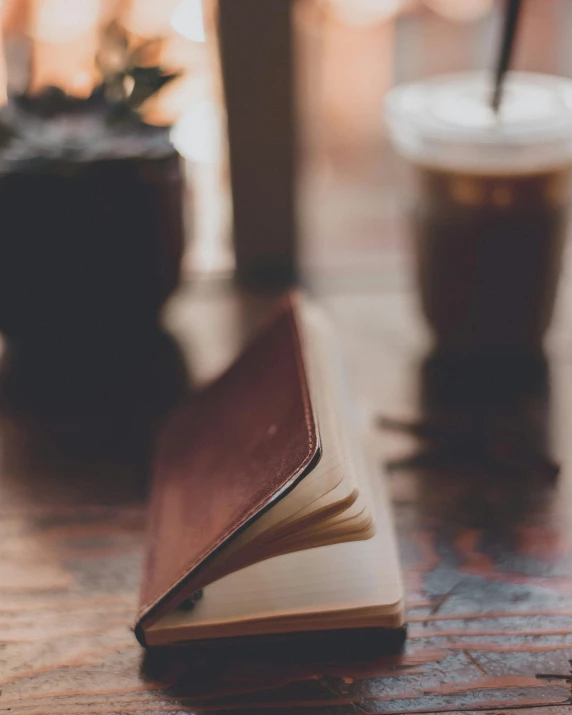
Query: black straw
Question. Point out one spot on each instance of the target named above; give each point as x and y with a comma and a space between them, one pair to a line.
511, 14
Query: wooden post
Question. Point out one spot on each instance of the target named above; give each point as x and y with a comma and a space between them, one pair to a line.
258, 77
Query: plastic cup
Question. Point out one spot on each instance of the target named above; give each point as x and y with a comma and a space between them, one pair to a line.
490, 209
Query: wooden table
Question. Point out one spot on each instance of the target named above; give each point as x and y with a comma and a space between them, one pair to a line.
486, 548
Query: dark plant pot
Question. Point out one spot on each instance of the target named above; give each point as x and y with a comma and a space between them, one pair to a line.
89, 246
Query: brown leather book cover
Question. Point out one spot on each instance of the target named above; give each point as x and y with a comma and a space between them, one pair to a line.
225, 458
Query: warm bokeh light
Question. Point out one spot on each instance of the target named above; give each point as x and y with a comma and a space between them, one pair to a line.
51, 67
177, 54
15, 16
188, 20
460, 10
3, 74
113, 9
197, 135
62, 21
65, 35
149, 18
365, 12
182, 51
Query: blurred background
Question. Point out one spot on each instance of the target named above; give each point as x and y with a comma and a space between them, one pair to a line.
348, 54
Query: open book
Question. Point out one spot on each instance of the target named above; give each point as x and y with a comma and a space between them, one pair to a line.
262, 497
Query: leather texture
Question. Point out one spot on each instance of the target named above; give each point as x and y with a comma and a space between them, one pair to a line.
226, 457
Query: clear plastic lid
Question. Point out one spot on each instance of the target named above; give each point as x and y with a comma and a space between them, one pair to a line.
447, 122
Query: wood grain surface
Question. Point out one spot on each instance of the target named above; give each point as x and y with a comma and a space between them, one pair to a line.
486, 543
